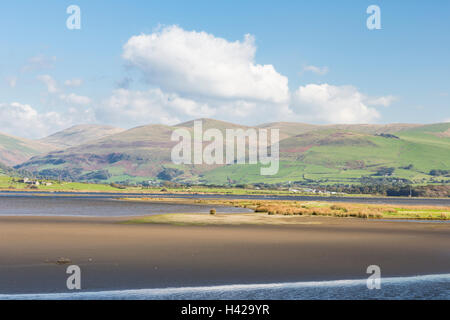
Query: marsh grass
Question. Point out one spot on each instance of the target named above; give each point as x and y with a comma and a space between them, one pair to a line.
314, 208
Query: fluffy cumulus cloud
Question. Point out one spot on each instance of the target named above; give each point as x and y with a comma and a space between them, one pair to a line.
58, 111
200, 64
211, 76
129, 108
336, 104
23, 120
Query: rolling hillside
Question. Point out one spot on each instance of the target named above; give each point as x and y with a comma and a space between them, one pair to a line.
332, 156
308, 153
14, 150
80, 134
138, 152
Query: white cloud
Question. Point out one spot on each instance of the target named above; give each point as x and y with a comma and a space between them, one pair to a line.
22, 119
128, 108
151, 106
51, 84
317, 70
447, 120
219, 78
200, 64
72, 98
385, 101
73, 82
333, 104
199, 75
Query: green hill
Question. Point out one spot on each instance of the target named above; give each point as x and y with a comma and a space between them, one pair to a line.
331, 154
14, 150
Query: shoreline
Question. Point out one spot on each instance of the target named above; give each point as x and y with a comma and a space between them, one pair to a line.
229, 194
117, 256
437, 202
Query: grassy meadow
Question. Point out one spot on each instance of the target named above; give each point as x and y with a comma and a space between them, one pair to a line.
11, 184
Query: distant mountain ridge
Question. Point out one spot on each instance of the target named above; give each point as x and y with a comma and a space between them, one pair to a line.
310, 153
79, 134
15, 150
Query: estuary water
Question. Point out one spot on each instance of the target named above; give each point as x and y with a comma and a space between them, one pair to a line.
348, 199
429, 287
94, 207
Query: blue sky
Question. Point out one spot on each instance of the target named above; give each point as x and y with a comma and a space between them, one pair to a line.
326, 65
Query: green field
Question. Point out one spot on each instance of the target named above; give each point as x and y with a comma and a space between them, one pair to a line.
7, 183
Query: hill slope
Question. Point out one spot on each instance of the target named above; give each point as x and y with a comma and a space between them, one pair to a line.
79, 134
14, 150
330, 156
308, 153
138, 152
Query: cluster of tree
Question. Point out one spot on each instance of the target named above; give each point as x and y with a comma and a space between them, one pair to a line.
438, 172
393, 190
74, 174
387, 135
168, 174
433, 191
65, 174
385, 171
49, 159
116, 157
379, 189
14, 172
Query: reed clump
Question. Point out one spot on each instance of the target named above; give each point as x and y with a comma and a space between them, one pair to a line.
340, 211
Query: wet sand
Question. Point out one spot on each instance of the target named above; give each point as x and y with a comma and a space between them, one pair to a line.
121, 256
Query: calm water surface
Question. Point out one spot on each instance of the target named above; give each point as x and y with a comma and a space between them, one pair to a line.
428, 287
87, 207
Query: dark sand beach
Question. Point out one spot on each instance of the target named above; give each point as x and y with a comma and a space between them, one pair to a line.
113, 255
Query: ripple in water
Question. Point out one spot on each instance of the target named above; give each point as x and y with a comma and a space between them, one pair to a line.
429, 287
